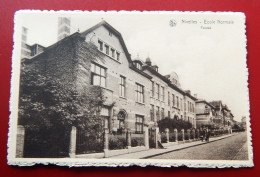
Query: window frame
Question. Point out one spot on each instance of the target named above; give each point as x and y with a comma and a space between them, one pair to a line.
99, 75
122, 86
139, 124
139, 93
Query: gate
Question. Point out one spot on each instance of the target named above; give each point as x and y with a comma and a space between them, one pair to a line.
88, 143
152, 139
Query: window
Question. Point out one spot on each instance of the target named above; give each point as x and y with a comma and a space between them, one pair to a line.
122, 86
157, 113
162, 113
107, 49
169, 99
169, 114
152, 91
181, 103
139, 93
188, 106
110, 33
139, 124
184, 106
100, 43
98, 75
162, 93
157, 91
138, 66
177, 98
117, 56
173, 100
152, 112
113, 53
121, 118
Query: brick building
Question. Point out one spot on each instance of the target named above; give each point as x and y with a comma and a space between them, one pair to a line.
136, 94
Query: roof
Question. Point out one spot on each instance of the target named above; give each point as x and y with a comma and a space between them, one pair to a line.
204, 101
121, 40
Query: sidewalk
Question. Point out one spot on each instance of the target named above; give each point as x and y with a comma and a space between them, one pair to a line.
155, 152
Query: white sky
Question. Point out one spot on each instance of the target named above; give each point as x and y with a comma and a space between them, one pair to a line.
211, 63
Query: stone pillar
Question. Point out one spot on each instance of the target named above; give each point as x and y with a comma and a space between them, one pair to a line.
231, 131
128, 138
198, 131
146, 137
183, 135
188, 132
20, 141
156, 137
167, 135
176, 134
106, 139
73, 137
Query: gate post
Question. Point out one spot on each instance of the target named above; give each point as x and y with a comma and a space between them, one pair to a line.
167, 135
146, 137
156, 137
72, 150
20, 141
182, 133
176, 134
128, 138
198, 134
106, 141
188, 132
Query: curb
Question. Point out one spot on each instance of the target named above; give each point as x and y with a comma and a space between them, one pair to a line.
186, 147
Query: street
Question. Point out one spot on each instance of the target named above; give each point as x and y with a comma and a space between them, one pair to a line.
231, 148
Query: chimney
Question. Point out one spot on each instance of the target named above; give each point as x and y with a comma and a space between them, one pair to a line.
25, 49
63, 27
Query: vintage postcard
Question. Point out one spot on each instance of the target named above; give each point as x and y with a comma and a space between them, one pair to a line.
128, 88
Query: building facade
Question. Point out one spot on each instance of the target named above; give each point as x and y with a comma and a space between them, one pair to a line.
205, 113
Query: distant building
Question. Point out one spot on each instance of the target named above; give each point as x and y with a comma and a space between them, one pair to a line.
63, 27
243, 122
205, 113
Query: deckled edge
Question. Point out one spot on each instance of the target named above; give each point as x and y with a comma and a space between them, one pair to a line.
107, 162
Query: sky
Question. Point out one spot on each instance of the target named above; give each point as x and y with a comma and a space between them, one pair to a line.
209, 62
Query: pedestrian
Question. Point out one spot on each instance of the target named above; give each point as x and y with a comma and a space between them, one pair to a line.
207, 135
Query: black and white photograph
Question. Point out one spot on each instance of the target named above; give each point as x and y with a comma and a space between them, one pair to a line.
126, 88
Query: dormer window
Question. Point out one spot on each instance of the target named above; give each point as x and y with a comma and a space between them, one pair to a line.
100, 43
117, 56
107, 49
110, 33
112, 53
138, 66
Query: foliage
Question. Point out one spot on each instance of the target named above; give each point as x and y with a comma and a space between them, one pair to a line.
137, 141
50, 98
171, 124
117, 142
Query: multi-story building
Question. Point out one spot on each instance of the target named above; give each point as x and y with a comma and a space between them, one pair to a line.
205, 113
136, 94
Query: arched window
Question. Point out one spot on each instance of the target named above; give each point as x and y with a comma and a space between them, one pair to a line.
121, 117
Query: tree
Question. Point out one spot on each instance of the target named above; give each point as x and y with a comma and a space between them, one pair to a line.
49, 106
171, 124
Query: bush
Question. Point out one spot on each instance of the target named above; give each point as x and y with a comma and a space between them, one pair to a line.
137, 141
172, 137
171, 124
117, 142
163, 138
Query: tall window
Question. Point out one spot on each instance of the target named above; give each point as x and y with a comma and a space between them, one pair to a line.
173, 100
107, 49
117, 56
169, 114
139, 93
162, 113
181, 103
152, 91
157, 113
122, 86
157, 91
188, 106
162, 93
152, 112
177, 98
100, 44
113, 53
169, 99
98, 75
139, 124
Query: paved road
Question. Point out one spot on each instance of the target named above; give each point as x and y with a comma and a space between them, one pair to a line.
231, 148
